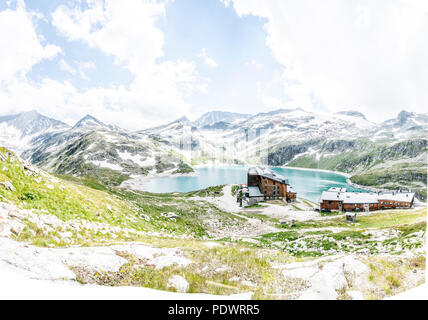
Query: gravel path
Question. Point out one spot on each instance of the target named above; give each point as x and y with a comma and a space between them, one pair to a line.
227, 202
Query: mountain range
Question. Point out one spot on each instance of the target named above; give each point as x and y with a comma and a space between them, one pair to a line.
17, 130
391, 154
214, 117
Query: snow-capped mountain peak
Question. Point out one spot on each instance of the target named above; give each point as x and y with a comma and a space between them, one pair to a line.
404, 116
31, 123
88, 121
407, 120
213, 117
352, 113
18, 130
182, 119
169, 127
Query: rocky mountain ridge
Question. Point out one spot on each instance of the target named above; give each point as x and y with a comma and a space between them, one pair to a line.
344, 141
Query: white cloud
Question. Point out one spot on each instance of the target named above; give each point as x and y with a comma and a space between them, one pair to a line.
84, 66
254, 63
366, 55
125, 30
226, 3
63, 65
206, 59
20, 46
417, 4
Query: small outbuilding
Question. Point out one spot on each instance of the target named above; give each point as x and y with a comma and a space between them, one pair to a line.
351, 217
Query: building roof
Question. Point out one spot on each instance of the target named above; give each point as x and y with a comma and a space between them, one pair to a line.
255, 192
267, 173
331, 196
360, 197
290, 189
252, 171
336, 189
397, 196
364, 197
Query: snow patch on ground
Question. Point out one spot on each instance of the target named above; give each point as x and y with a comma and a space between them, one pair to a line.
137, 159
108, 165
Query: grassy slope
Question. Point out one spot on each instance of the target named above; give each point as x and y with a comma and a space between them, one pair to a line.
379, 219
407, 174
87, 199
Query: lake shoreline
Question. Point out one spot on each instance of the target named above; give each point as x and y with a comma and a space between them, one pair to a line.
368, 188
139, 180
346, 175
311, 181
222, 165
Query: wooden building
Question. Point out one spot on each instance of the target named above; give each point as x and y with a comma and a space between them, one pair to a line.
396, 200
338, 199
270, 184
332, 199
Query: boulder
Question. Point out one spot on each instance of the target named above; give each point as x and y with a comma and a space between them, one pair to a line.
178, 283
353, 266
10, 227
328, 278
96, 259
7, 185
326, 283
36, 263
171, 215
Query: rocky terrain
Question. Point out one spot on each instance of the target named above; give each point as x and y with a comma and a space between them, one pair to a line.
79, 234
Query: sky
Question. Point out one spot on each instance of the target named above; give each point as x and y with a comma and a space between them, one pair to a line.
141, 63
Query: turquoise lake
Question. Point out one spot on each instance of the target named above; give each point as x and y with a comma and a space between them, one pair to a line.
308, 184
